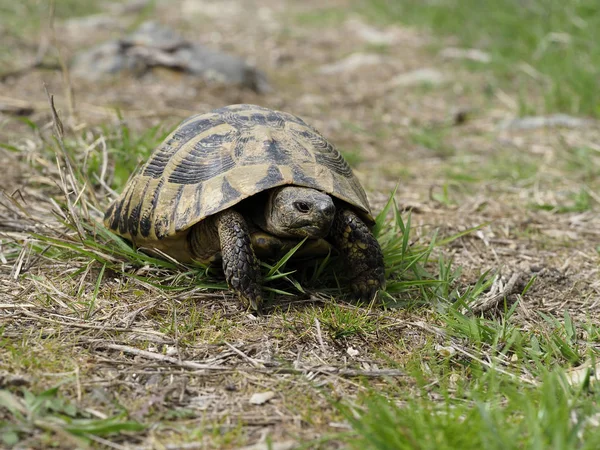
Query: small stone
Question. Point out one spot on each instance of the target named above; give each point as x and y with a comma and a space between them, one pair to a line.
454, 380
261, 398
351, 63
551, 121
352, 351
445, 351
372, 35
472, 54
585, 373
419, 76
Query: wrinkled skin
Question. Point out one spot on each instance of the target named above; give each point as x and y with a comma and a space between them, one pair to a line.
297, 212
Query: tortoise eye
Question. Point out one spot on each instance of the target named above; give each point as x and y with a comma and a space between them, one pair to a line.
302, 207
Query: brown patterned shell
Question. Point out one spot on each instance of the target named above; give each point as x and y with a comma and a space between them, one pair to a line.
213, 161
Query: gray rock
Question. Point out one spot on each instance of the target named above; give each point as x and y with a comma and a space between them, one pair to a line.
108, 58
552, 121
466, 53
419, 76
153, 45
351, 63
374, 35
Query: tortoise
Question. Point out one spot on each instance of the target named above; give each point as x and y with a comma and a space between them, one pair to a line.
244, 181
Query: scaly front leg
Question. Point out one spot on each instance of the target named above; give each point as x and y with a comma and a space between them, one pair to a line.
242, 270
364, 259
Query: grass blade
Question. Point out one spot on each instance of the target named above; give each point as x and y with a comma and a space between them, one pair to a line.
285, 258
381, 217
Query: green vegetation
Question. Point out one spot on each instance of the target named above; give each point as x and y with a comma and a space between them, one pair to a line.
49, 412
546, 49
433, 139
494, 386
491, 414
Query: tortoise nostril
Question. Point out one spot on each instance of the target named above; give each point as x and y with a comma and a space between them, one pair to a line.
302, 207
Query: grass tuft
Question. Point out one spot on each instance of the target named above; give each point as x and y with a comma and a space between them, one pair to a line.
494, 414
498, 378
51, 414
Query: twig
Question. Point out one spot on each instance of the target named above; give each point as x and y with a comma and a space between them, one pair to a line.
37, 63
104, 161
252, 361
13, 306
184, 446
319, 337
426, 327
355, 372
496, 295
160, 357
18, 265
106, 442
59, 130
263, 445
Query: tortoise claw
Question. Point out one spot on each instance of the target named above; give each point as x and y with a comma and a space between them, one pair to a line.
250, 295
366, 286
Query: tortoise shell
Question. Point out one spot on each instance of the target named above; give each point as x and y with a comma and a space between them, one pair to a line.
215, 160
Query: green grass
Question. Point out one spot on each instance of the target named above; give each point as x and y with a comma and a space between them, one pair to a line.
553, 41
342, 322
56, 419
433, 139
494, 385
492, 414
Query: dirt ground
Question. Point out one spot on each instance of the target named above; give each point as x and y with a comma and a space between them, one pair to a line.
447, 143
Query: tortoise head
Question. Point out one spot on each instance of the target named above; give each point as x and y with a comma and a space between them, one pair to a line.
294, 211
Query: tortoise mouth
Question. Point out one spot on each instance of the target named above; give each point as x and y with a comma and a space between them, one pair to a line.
309, 230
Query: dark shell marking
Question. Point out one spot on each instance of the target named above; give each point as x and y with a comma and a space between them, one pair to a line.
213, 161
